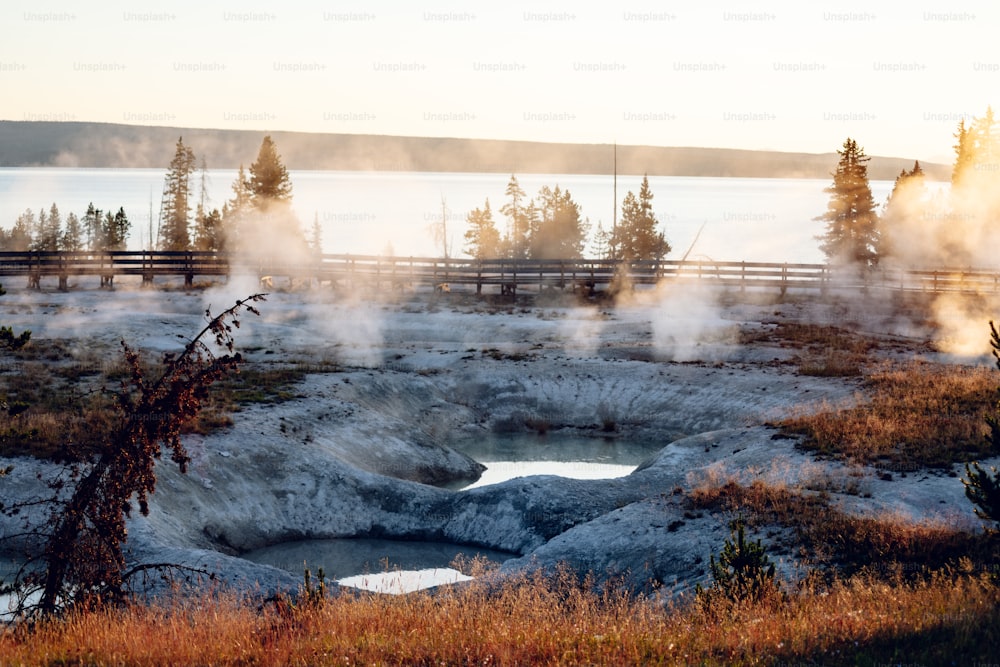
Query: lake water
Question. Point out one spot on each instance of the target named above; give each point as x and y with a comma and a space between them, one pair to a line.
743, 219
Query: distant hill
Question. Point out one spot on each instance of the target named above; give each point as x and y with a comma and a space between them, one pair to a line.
71, 144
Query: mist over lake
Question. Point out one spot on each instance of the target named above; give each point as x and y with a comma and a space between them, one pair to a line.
363, 212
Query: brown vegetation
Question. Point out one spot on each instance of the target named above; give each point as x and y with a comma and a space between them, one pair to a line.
535, 620
836, 542
66, 413
909, 416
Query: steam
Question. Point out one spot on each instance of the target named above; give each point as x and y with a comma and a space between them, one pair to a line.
271, 244
688, 323
951, 230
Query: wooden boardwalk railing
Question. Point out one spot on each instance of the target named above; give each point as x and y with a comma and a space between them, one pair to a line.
505, 275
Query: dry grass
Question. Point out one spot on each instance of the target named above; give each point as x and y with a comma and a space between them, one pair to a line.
64, 412
534, 620
909, 416
837, 542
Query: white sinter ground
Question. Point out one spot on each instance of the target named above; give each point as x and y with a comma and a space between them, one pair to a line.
363, 450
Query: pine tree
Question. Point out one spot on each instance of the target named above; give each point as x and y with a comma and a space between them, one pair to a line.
72, 238
94, 228
482, 239
208, 232
316, 236
175, 217
236, 210
22, 233
743, 571
601, 244
49, 229
908, 196
557, 232
115, 230
982, 487
851, 221
269, 181
270, 224
637, 236
518, 221
964, 154
975, 191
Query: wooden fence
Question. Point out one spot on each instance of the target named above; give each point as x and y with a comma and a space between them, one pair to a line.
503, 275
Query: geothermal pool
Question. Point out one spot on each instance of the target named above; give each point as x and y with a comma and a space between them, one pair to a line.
507, 456
397, 566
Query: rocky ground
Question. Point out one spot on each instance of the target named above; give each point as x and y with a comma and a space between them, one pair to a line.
363, 450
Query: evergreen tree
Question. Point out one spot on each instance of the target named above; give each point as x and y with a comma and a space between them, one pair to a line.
49, 229
115, 230
557, 232
637, 236
175, 215
851, 221
269, 181
94, 228
209, 233
906, 201
964, 154
21, 235
519, 221
236, 210
601, 245
975, 191
72, 238
743, 571
269, 223
316, 236
482, 239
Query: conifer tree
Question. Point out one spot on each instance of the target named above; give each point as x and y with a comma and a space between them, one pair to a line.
175, 217
72, 237
115, 230
269, 223
316, 236
482, 238
49, 229
93, 227
637, 236
269, 181
21, 235
557, 232
236, 210
601, 244
518, 221
909, 193
975, 191
851, 221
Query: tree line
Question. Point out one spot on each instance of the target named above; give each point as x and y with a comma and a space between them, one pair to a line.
96, 231
550, 226
257, 216
916, 226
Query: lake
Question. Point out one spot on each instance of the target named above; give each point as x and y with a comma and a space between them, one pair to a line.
742, 219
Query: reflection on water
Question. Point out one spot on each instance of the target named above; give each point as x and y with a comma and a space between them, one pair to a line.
397, 566
507, 456
345, 557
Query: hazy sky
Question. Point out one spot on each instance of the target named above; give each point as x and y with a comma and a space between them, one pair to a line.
784, 76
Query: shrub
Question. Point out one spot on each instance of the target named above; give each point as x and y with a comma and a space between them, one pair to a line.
743, 572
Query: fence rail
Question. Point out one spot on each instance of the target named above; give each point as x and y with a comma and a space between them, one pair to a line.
504, 274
